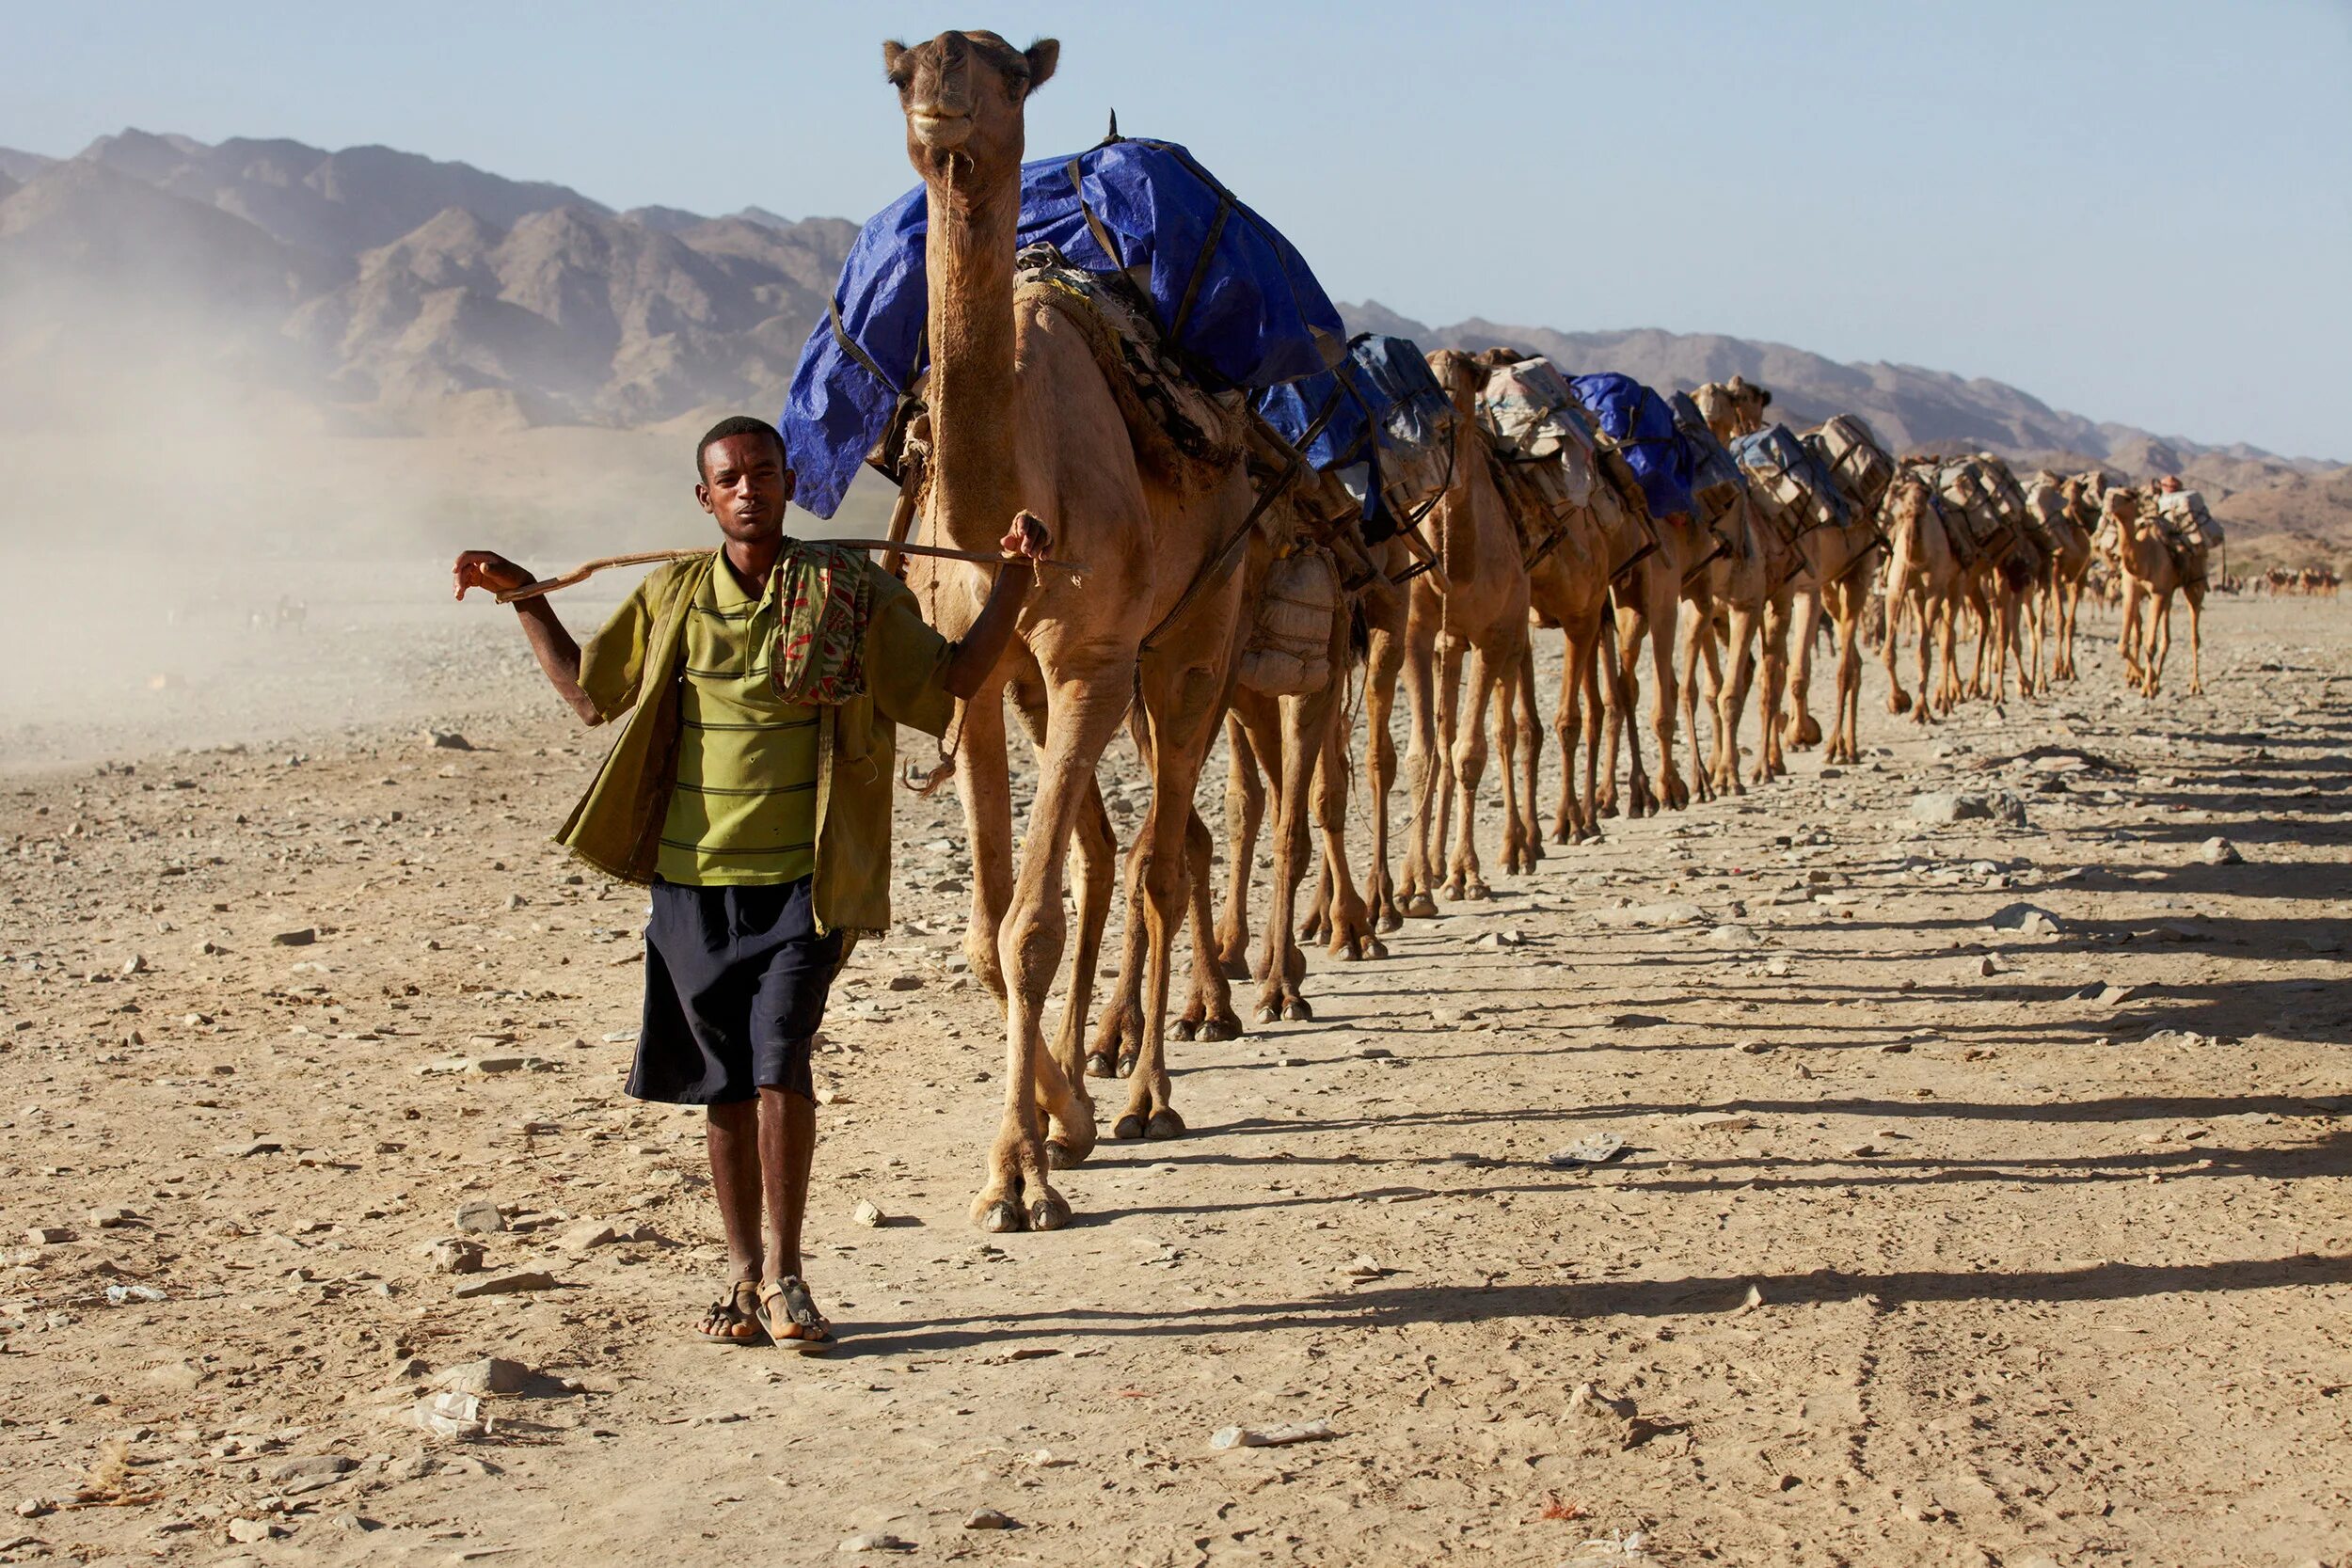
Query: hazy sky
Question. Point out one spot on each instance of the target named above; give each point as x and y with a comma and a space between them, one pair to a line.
2137, 210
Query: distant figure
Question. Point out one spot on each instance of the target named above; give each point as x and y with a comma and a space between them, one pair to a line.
751, 788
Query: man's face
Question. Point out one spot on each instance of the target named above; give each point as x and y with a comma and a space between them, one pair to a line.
745, 486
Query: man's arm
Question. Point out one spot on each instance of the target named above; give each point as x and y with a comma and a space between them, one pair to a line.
558, 654
969, 665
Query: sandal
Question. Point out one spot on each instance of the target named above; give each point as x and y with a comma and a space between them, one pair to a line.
732, 1320
789, 1315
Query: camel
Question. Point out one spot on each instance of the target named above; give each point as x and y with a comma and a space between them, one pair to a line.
1568, 590
1732, 409
1923, 575
1478, 620
2064, 512
2151, 574
1022, 417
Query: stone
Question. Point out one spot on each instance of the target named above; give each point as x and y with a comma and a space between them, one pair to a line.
873, 1540
987, 1518
1719, 1121
1946, 806
302, 938
326, 1464
867, 1212
135, 964
447, 741
481, 1216
903, 982
1598, 1149
249, 1149
455, 1257
505, 1284
2030, 920
1733, 937
251, 1531
587, 1234
47, 1235
2219, 851
493, 1066
1226, 1438
492, 1374
1672, 911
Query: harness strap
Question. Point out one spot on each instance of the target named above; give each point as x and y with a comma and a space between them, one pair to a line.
1094, 225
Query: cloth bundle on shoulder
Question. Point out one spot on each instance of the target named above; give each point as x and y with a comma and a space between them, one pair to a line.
1851, 448
1716, 480
1289, 651
1636, 421
1534, 420
1235, 301
1380, 421
824, 599
1791, 481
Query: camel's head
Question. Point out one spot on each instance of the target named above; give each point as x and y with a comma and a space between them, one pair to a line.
1732, 409
1460, 374
963, 94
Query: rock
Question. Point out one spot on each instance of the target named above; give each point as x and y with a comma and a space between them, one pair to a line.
1496, 941
452, 1415
251, 1531
33, 1508
1588, 1402
988, 1518
492, 1374
1734, 937
505, 1284
47, 1235
1364, 1267
1988, 966
1598, 1149
455, 1257
874, 1541
867, 1212
327, 1465
1718, 1122
587, 1234
1226, 1438
1672, 912
2219, 851
493, 1066
481, 1216
903, 982
249, 1149
447, 741
302, 938
135, 964
1945, 806
2027, 920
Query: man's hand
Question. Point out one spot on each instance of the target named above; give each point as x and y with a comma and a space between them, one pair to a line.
1029, 539
487, 570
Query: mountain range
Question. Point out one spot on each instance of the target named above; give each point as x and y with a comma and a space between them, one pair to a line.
405, 294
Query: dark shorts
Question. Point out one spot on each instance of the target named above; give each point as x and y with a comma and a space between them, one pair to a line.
735, 980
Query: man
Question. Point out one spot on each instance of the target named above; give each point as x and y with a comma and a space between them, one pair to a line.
751, 788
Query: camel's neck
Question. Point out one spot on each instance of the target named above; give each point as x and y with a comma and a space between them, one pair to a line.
972, 395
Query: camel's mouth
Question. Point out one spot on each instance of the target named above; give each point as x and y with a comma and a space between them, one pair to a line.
939, 131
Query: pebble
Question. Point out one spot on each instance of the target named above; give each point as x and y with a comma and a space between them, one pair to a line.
2027, 920
302, 938
492, 1374
2219, 851
313, 1468
874, 1541
47, 1235
867, 1212
1224, 1438
249, 1149
481, 1216
903, 982
505, 1284
987, 1518
447, 741
587, 1234
1719, 1121
1672, 912
1733, 936
455, 1257
252, 1529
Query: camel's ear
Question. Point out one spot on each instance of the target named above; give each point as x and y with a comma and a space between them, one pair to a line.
1042, 55
892, 53
1763, 400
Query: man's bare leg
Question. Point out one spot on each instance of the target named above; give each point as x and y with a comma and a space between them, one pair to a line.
735, 1169
788, 1148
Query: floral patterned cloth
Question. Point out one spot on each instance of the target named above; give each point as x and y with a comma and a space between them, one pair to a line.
824, 599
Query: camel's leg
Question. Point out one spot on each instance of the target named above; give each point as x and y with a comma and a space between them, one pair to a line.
983, 782
1070, 1137
1248, 764
1770, 762
1598, 651
1208, 1013
1731, 709
1671, 788
1452, 653
1184, 703
1085, 711
1845, 745
2196, 598
1350, 920
1423, 681
1690, 637
1983, 612
1522, 753
1632, 629
1466, 732
1567, 816
1302, 720
1802, 729
1383, 663
1119, 1032
2160, 640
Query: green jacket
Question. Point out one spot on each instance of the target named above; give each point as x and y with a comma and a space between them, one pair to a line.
617, 827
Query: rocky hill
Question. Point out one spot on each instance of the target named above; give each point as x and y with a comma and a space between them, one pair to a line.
1911, 408
401, 292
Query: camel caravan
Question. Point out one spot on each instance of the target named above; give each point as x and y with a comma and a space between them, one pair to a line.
1281, 524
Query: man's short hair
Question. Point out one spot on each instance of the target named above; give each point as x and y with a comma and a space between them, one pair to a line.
737, 425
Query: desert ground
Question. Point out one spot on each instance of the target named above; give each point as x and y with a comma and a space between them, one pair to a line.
1945, 1233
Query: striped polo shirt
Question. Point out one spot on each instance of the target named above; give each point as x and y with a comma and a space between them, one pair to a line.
743, 809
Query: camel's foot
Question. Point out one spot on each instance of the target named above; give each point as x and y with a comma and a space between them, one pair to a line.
1703, 788
1419, 905
1605, 803
999, 1210
1518, 860
1203, 1021
1101, 1064
1898, 700
1352, 938
1160, 1126
1072, 1138
1677, 793
1314, 929
1804, 730
1233, 962
1466, 887
1284, 1005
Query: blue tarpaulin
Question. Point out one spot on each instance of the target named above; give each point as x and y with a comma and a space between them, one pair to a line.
1642, 427
1380, 419
1711, 463
1241, 305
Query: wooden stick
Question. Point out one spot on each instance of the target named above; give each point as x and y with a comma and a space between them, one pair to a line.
583, 571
